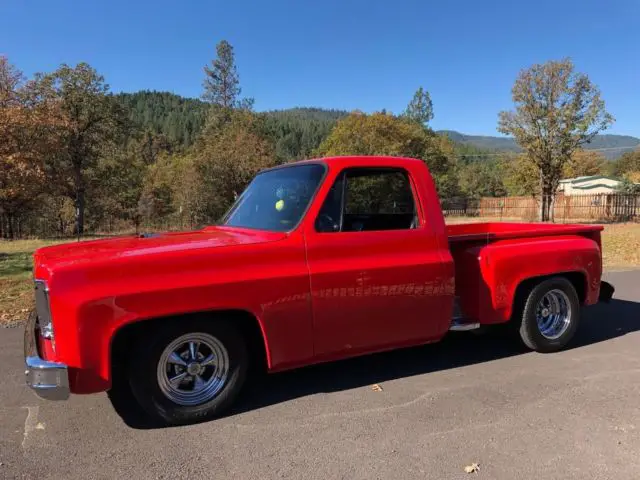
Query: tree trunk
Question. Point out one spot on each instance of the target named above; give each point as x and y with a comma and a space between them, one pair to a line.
546, 206
547, 195
80, 212
10, 226
542, 199
545, 202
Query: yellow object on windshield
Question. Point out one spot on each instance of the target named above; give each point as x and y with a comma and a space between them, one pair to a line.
279, 205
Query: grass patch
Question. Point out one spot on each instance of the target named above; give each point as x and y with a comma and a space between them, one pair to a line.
620, 244
16, 283
14, 263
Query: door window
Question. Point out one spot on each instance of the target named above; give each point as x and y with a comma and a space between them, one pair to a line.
369, 200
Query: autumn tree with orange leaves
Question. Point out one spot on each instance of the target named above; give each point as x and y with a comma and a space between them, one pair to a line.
26, 138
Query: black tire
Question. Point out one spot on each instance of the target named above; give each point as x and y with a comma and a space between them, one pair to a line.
525, 316
143, 366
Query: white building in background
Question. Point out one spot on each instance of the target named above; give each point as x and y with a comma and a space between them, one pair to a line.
592, 184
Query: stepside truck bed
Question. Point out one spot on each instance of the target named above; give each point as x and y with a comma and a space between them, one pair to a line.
501, 231
492, 260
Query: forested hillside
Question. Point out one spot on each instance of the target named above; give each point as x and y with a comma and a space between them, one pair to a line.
297, 132
180, 119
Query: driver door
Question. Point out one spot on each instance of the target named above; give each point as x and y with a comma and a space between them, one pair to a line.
375, 272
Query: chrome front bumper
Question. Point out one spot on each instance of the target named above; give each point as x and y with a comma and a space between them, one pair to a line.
49, 380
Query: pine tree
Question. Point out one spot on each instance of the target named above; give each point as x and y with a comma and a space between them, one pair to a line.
420, 108
222, 83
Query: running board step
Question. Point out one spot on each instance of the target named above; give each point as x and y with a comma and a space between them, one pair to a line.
459, 326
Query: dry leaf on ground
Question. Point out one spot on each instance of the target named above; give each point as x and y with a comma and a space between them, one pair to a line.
473, 468
376, 388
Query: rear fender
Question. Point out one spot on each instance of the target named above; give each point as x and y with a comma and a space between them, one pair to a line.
504, 265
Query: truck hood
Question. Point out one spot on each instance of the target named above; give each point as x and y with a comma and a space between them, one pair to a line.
96, 251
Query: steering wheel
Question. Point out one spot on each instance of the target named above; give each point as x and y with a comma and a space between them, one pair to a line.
325, 223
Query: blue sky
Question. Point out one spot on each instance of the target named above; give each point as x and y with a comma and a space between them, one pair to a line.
341, 53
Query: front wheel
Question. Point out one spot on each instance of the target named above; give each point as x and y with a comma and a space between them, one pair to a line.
549, 318
189, 371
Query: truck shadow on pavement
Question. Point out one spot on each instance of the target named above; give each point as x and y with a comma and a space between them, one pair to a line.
599, 323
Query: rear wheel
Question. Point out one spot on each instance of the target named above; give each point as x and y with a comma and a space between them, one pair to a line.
189, 371
549, 317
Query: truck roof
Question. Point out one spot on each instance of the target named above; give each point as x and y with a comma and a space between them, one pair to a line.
364, 160
353, 161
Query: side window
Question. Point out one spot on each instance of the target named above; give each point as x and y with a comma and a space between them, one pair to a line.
330, 216
369, 200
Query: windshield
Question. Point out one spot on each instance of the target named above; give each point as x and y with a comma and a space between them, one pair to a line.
276, 199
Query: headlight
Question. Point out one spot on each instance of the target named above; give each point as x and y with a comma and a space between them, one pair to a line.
43, 310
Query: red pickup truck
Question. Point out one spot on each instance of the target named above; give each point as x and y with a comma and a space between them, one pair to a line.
316, 261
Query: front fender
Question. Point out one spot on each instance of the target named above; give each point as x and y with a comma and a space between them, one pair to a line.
281, 309
89, 350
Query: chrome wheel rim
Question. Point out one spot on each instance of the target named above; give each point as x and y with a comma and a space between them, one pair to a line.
553, 314
193, 369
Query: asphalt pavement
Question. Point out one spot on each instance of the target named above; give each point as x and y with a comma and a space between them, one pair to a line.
469, 399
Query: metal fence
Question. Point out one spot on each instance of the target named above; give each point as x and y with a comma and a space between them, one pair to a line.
598, 207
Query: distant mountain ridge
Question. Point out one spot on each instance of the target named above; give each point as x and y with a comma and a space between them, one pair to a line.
622, 143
